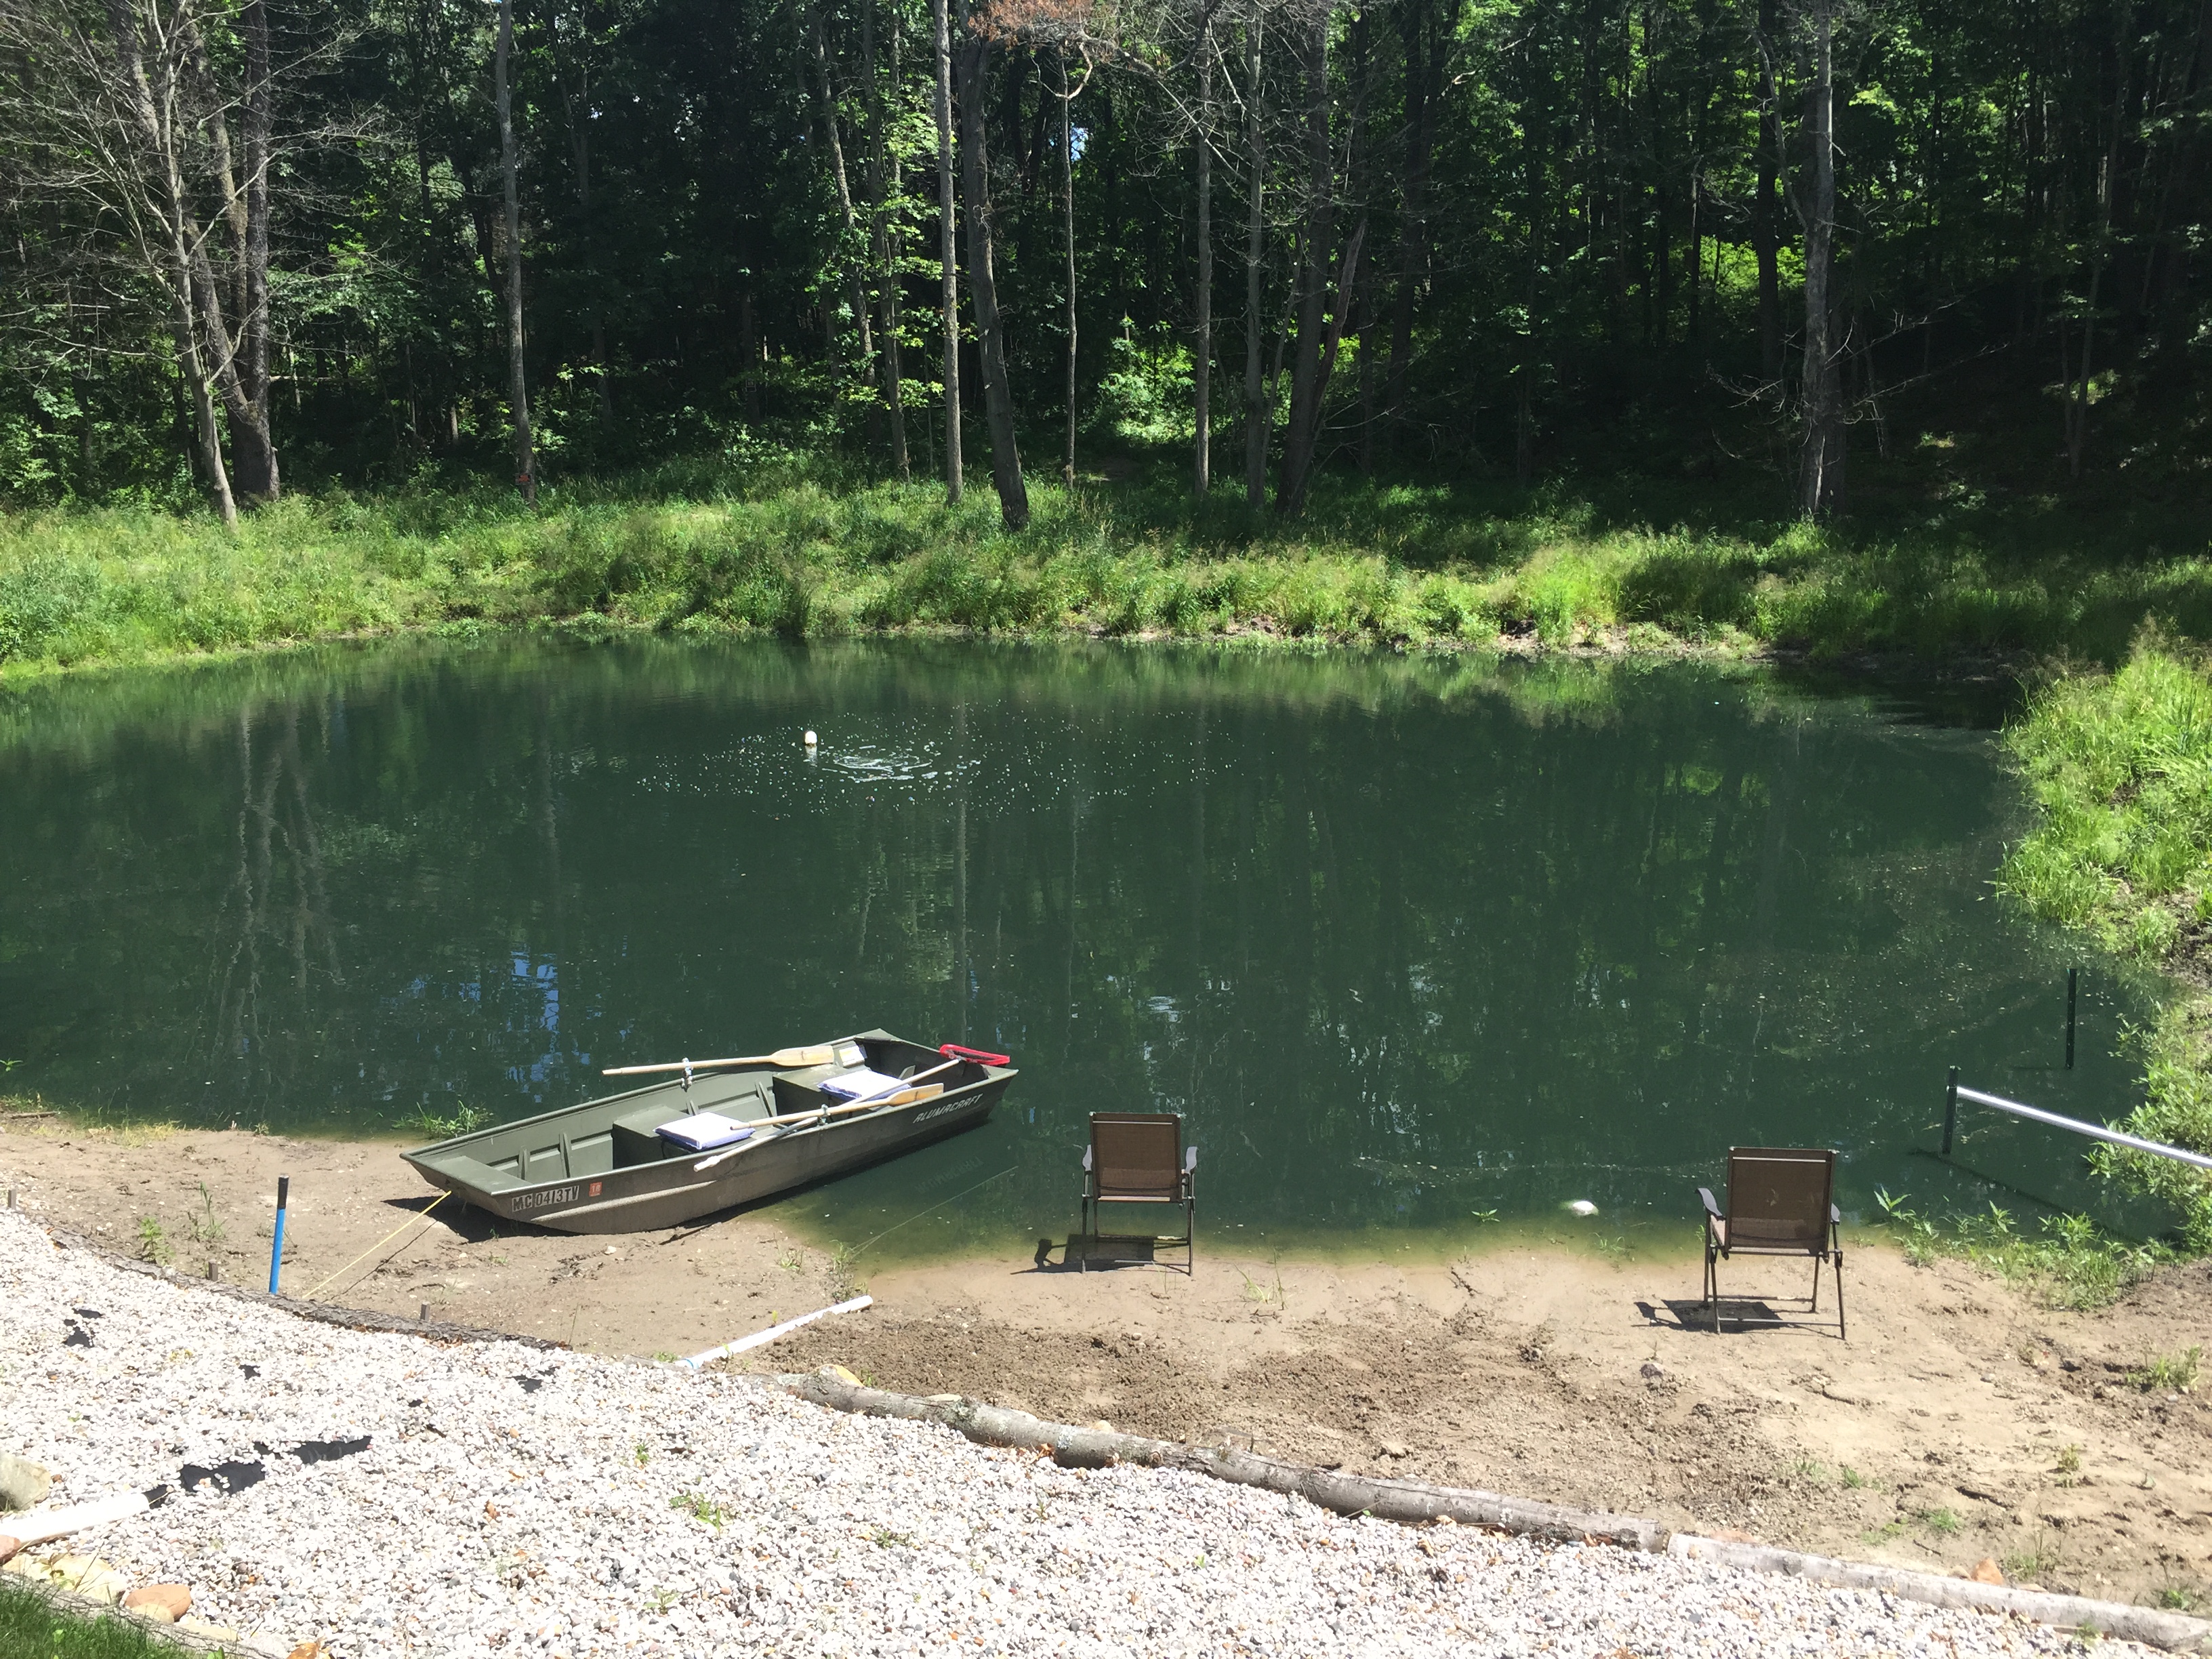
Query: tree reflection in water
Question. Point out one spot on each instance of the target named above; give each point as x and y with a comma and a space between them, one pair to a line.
1405, 939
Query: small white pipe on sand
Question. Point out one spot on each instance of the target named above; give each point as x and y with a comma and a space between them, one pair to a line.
761, 1338
41, 1526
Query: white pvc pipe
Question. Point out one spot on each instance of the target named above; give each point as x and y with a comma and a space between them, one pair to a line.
38, 1528
2094, 1131
761, 1338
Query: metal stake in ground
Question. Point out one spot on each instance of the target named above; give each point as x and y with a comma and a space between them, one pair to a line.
277, 1243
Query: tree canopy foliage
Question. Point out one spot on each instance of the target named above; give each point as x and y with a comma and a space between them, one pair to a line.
1493, 234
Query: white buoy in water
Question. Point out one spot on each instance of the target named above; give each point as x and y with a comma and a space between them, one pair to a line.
1581, 1206
811, 740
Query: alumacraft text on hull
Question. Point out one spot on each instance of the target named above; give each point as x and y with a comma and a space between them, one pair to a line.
606, 1167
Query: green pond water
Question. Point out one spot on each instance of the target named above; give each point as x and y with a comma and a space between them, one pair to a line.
1410, 941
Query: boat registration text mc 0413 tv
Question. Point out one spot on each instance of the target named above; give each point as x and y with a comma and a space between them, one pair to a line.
553, 1196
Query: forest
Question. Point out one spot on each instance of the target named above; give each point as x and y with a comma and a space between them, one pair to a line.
257, 246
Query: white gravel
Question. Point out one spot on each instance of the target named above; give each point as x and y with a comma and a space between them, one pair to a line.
488, 1515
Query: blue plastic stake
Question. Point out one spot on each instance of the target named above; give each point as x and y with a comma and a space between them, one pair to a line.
276, 1245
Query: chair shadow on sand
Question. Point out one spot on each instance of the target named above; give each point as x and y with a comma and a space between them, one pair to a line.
1097, 1252
1738, 1314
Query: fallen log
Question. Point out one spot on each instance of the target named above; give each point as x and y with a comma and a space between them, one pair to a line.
1413, 1502
2150, 1625
1406, 1501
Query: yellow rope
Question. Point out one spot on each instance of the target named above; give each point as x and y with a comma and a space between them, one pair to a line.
379, 1245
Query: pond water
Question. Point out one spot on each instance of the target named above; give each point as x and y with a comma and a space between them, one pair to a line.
1414, 943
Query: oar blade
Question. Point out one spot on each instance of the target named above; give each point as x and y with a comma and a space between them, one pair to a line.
820, 1053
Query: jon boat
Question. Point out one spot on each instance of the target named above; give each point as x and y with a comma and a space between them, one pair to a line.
606, 1167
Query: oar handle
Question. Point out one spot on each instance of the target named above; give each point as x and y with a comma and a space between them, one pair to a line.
684, 1065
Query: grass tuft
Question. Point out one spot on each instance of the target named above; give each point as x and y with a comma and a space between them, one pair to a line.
2170, 1373
699, 1507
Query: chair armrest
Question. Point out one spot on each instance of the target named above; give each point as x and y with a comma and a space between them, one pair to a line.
1835, 1216
1711, 1208
1189, 1159
1086, 1160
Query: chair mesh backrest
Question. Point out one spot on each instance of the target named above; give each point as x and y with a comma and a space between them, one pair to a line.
1778, 1196
1137, 1154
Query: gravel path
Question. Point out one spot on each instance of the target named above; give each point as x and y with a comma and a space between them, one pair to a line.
514, 1501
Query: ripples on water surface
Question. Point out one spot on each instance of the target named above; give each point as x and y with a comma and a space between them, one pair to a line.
1408, 940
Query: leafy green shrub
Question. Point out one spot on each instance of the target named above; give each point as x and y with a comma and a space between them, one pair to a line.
42, 599
2121, 766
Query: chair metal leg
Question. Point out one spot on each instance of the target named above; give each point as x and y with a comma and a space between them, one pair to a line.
1083, 1235
1713, 1287
1842, 1334
1816, 1284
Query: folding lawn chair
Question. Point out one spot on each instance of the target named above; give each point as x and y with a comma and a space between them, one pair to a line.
1781, 1202
1138, 1157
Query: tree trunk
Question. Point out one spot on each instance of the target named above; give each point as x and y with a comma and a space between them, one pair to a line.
576, 109
947, 210
1696, 267
1367, 331
180, 238
253, 462
982, 286
193, 366
1258, 417
1302, 435
257, 477
1765, 207
1201, 364
1413, 248
2076, 420
826, 100
1820, 474
517, 385
1067, 216
1391, 1500
886, 267
749, 348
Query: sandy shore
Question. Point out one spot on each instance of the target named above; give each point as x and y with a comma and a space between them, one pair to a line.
1961, 1421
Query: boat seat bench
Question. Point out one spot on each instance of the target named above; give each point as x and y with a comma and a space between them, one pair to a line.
637, 1135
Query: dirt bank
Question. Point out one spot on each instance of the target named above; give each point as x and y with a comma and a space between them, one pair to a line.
1960, 1421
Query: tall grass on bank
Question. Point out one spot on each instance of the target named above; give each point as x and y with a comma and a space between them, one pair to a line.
32, 1628
2120, 766
779, 544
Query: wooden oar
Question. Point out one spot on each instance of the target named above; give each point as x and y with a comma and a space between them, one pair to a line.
905, 1093
783, 1059
807, 1120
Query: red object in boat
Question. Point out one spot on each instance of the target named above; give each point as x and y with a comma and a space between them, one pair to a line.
951, 1050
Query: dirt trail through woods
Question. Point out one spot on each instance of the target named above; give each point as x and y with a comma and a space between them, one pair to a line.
1960, 1421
